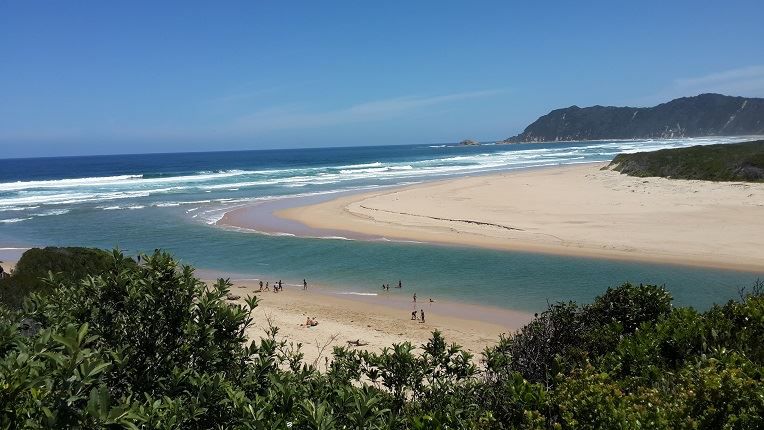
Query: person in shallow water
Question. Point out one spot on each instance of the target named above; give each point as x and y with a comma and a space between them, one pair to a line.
400, 285
414, 297
304, 284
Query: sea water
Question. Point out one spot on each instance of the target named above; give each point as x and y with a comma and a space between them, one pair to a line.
172, 201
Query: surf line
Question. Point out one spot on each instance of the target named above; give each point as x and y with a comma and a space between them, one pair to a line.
468, 221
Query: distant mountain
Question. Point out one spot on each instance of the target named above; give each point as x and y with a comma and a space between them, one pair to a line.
703, 115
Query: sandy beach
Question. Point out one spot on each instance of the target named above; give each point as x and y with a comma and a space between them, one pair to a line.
370, 320
579, 210
376, 321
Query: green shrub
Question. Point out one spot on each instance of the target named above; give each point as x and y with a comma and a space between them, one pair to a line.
152, 347
69, 264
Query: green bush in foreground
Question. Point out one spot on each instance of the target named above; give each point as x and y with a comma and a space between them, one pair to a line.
72, 264
150, 347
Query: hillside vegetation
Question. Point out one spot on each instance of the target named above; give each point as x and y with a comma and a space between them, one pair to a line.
723, 162
150, 346
701, 115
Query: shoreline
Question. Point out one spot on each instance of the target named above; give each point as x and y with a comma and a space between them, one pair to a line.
371, 319
596, 214
378, 320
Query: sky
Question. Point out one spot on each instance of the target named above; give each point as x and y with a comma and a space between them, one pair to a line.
105, 77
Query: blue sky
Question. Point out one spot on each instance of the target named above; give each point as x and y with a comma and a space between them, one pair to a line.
95, 77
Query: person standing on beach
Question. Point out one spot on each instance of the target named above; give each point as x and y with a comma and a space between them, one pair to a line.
414, 297
421, 313
281, 287
304, 284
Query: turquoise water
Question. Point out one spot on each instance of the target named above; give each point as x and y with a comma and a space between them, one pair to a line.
140, 203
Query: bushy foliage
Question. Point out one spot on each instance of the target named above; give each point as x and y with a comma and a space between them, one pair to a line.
721, 162
150, 346
566, 335
72, 264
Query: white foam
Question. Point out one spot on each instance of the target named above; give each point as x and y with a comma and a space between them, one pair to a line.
13, 220
121, 181
354, 293
64, 183
361, 166
18, 209
53, 212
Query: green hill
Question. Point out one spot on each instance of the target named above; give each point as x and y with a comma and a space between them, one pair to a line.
701, 115
724, 162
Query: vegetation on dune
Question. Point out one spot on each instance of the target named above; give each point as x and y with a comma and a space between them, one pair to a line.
723, 162
150, 346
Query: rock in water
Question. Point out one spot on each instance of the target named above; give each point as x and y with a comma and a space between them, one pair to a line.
469, 142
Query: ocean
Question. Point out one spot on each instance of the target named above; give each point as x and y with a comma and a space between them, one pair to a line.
172, 201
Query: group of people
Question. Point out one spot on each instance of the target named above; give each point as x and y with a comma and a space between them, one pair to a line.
386, 287
277, 286
414, 315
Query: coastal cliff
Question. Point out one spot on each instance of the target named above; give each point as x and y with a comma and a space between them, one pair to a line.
702, 115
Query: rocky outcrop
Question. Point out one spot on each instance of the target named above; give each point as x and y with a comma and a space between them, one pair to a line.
469, 142
703, 115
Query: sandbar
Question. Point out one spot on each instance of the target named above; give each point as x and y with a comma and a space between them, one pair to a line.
582, 210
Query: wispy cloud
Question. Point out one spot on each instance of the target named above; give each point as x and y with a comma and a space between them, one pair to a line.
243, 94
295, 116
749, 78
376, 110
251, 91
744, 81
736, 77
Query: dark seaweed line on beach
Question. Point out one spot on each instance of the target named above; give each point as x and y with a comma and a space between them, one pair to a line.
468, 221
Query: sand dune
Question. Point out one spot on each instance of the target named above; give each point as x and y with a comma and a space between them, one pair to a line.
577, 210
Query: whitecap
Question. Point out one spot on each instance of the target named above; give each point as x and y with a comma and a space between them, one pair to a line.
354, 293
13, 220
